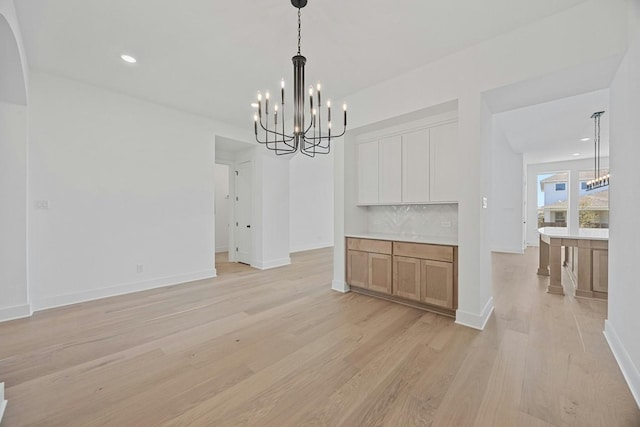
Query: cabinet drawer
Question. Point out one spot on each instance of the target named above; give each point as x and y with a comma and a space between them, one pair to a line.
368, 245
423, 251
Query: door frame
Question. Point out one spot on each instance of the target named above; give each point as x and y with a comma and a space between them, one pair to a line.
231, 214
234, 213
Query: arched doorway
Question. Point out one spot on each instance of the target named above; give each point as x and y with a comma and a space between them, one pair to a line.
13, 177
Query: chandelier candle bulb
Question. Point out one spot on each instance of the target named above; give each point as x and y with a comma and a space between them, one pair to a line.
329, 112
344, 107
266, 103
319, 100
275, 114
311, 97
282, 90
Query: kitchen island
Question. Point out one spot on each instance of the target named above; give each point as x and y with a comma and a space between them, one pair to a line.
586, 256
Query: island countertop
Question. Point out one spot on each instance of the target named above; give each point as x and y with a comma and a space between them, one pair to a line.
582, 234
433, 240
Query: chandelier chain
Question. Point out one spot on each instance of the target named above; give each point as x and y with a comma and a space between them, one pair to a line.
299, 27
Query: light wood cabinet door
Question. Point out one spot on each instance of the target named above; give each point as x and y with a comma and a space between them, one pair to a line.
368, 172
437, 283
358, 268
406, 277
600, 271
391, 170
443, 163
415, 166
380, 273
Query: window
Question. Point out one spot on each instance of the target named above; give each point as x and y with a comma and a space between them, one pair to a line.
561, 216
561, 186
593, 205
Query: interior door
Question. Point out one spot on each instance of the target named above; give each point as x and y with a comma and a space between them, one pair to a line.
243, 213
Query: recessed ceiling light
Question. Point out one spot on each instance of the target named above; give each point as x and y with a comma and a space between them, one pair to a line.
585, 139
128, 58
575, 154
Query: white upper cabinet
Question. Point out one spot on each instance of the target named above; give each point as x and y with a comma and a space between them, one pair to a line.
391, 170
415, 166
368, 173
443, 163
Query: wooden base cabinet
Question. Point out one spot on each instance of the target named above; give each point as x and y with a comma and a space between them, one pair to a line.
369, 264
380, 273
437, 283
414, 273
406, 277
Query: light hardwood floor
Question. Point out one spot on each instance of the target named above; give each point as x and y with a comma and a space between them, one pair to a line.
279, 348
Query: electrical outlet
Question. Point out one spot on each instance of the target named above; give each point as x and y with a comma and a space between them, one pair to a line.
484, 203
41, 204
140, 268
445, 224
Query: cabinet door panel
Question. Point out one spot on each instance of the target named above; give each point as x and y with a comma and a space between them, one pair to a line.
415, 166
358, 268
437, 283
391, 170
443, 142
600, 271
368, 171
406, 277
380, 273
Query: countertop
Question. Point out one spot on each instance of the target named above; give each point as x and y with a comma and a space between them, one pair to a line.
583, 233
434, 240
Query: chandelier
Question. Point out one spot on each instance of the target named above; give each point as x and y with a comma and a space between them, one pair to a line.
310, 140
600, 179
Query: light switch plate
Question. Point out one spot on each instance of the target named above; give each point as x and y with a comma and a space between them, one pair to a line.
484, 203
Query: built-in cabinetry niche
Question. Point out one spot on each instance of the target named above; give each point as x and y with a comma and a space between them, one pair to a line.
422, 275
417, 164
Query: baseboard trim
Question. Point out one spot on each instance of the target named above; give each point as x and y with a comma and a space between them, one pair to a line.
629, 370
3, 402
222, 249
340, 286
311, 247
473, 320
17, 312
267, 265
67, 299
518, 251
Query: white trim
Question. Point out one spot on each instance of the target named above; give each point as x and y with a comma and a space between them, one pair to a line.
222, 249
629, 370
340, 286
67, 299
503, 250
3, 402
473, 320
266, 265
424, 123
311, 247
17, 312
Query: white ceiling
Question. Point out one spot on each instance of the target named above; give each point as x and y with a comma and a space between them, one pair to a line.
551, 131
209, 57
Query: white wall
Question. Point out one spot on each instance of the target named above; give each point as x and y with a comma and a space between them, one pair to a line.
222, 202
571, 166
14, 298
128, 183
14, 88
271, 234
311, 195
507, 185
621, 328
534, 50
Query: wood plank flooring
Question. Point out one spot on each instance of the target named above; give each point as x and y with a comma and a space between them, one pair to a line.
279, 348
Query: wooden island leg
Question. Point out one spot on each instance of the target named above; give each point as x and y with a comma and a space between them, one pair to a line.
555, 267
543, 266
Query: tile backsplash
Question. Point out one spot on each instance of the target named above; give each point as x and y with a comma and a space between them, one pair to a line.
414, 220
